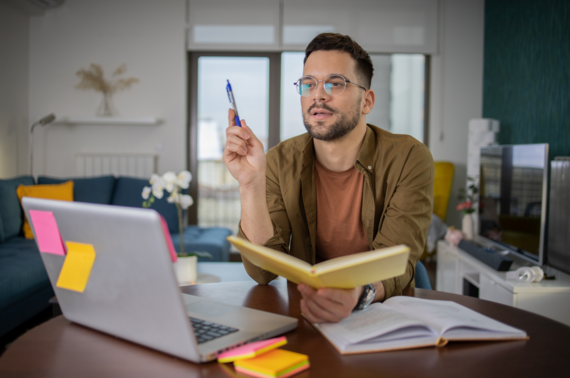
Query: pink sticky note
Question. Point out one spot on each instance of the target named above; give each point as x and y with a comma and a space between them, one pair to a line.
47, 233
168, 239
252, 349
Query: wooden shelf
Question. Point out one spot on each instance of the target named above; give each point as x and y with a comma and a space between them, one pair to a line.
107, 121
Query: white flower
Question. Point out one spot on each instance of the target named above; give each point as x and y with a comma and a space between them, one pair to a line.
173, 198
172, 183
146, 192
153, 178
158, 188
186, 201
183, 179
169, 179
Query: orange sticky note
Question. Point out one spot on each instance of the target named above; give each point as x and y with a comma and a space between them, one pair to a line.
47, 233
171, 249
76, 267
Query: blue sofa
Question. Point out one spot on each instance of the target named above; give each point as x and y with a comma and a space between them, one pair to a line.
24, 284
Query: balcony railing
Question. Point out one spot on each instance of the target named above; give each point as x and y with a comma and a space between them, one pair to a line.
218, 196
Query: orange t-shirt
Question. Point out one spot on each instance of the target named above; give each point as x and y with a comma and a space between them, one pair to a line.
340, 230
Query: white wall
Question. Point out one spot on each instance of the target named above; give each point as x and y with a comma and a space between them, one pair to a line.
147, 35
14, 35
456, 88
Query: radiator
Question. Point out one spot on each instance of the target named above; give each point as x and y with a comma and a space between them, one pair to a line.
133, 165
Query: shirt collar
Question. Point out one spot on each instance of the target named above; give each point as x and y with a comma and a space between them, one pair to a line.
367, 150
309, 152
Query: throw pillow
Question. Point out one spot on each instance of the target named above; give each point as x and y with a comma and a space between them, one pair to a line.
62, 192
10, 210
87, 189
128, 192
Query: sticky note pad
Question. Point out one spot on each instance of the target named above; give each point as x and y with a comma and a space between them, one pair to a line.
47, 233
252, 349
284, 374
275, 363
171, 249
76, 267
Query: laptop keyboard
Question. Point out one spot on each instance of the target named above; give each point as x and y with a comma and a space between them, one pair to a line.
207, 331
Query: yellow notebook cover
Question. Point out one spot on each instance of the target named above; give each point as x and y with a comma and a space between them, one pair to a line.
273, 362
345, 272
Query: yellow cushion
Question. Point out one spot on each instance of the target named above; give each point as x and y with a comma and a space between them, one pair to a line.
442, 187
62, 192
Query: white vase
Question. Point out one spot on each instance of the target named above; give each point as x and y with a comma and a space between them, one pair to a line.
467, 226
186, 269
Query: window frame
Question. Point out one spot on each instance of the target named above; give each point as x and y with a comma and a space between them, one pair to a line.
192, 139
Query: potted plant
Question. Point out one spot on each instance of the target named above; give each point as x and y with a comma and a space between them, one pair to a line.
185, 266
469, 198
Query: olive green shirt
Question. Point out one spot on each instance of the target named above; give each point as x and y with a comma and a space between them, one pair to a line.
397, 199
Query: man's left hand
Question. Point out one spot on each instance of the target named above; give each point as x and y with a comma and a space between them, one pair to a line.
327, 304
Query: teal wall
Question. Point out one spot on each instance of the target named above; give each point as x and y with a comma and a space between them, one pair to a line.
527, 71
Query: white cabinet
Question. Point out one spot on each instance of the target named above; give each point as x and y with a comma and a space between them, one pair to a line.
492, 291
460, 273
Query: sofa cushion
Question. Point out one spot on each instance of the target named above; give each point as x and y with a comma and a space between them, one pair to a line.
60, 192
22, 271
128, 192
91, 189
10, 210
205, 239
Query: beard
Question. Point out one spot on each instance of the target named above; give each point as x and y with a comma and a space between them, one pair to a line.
338, 130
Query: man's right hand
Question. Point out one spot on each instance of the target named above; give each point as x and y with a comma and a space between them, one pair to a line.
244, 155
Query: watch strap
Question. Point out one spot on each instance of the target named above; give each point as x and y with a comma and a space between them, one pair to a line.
367, 296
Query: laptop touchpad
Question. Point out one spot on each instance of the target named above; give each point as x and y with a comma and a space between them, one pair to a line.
210, 309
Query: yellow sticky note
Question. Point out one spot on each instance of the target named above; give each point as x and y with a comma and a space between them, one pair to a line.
76, 267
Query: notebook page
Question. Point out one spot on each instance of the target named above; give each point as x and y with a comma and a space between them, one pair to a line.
374, 321
446, 315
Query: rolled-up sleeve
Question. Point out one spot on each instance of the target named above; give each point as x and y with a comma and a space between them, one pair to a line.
407, 215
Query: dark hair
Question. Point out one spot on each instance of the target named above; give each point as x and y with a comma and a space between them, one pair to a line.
341, 42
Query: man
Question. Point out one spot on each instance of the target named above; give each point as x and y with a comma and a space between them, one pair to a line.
344, 187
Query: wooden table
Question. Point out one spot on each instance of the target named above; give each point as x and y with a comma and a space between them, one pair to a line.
59, 348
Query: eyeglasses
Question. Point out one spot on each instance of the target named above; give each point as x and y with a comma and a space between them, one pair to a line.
334, 85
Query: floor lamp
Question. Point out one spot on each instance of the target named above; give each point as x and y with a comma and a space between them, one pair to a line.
42, 122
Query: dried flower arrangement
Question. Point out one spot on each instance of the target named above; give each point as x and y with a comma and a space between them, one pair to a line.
94, 78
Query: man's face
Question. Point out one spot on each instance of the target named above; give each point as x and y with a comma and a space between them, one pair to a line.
328, 117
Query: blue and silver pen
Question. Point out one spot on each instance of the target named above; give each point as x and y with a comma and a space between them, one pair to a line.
233, 102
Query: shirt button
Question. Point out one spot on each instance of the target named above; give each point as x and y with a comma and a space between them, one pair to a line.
369, 167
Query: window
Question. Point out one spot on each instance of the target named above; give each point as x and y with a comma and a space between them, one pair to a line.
214, 189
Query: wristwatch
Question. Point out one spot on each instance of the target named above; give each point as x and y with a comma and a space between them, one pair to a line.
367, 296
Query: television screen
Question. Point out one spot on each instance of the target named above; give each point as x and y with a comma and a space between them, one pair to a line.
512, 199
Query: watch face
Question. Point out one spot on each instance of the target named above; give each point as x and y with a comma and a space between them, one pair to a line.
370, 295
367, 296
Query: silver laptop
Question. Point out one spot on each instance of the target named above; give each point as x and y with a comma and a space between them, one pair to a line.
132, 291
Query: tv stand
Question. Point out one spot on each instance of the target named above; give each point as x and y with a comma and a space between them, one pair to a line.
460, 273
